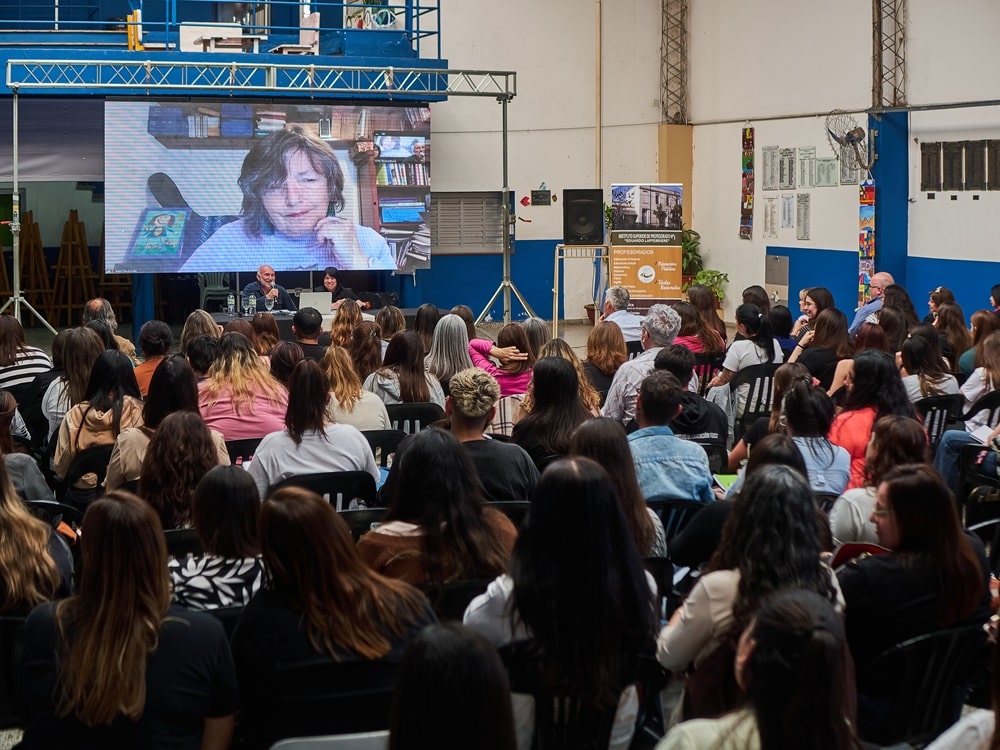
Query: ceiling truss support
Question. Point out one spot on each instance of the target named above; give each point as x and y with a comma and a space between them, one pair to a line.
674, 61
888, 53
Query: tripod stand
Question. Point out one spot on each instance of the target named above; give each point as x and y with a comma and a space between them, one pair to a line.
17, 299
506, 285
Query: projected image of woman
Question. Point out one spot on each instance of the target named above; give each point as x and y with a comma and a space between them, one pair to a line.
293, 187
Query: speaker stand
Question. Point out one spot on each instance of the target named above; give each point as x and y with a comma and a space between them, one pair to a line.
506, 285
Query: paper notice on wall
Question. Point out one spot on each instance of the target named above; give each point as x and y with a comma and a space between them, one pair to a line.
788, 212
769, 167
807, 167
786, 176
770, 218
802, 216
848, 166
827, 172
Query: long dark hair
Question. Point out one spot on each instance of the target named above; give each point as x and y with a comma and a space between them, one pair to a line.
11, 339
920, 358
225, 511
448, 665
831, 333
308, 393
759, 329
705, 303
798, 676
877, 384
895, 440
588, 612
557, 409
772, 539
896, 296
404, 357
173, 387
893, 321
950, 323
111, 380
604, 441
314, 567
928, 524
447, 503
424, 323
693, 324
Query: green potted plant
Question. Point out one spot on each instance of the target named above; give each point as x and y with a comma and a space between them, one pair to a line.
714, 280
691, 261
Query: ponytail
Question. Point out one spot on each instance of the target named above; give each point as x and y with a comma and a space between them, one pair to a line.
759, 329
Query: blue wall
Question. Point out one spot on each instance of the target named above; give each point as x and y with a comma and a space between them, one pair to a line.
472, 279
891, 175
970, 280
837, 270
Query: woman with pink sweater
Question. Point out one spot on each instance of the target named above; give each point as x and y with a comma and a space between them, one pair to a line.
512, 351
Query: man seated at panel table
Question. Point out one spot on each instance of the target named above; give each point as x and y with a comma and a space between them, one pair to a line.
266, 288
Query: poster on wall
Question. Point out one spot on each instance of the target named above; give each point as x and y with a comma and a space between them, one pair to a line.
646, 242
866, 238
747, 183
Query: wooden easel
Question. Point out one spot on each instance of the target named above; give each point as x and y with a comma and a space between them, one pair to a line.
35, 282
116, 288
74, 283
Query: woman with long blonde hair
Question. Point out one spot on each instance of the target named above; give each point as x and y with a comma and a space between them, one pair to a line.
348, 315
589, 396
350, 403
117, 665
198, 323
239, 398
35, 563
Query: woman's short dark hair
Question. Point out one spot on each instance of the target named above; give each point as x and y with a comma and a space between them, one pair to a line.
104, 331
155, 338
332, 272
757, 295
776, 449
225, 509
265, 166
173, 387
821, 297
448, 665
758, 327
808, 411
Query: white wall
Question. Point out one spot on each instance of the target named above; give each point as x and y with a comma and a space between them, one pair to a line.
551, 46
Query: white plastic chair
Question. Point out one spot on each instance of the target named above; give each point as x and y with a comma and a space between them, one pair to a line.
360, 741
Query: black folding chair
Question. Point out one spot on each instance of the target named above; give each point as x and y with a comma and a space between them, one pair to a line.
342, 489
361, 521
451, 599
706, 366
937, 413
241, 451
11, 647
383, 444
411, 418
674, 513
718, 457
182, 542
760, 379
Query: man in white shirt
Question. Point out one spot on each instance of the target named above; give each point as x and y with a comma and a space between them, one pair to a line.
616, 311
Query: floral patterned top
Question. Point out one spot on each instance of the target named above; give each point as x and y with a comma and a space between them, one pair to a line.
203, 582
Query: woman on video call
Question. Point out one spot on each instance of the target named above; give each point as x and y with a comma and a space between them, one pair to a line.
293, 187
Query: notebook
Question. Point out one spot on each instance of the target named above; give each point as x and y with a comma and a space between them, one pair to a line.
320, 300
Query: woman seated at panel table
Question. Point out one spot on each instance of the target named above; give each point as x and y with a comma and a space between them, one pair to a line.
293, 187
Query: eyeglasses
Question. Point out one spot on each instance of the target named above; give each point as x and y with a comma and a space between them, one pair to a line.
880, 512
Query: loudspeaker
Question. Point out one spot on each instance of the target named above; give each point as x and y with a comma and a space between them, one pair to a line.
583, 217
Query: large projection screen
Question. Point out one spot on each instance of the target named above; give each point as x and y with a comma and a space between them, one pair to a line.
205, 185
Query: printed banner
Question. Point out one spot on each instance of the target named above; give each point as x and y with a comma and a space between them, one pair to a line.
866, 238
746, 201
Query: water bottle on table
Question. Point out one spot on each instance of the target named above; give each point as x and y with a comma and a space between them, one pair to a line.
231, 304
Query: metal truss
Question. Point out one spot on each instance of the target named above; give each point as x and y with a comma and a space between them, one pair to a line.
888, 53
674, 62
157, 76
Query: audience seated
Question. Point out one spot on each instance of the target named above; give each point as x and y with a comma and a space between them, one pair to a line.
323, 606
198, 323
437, 528
604, 441
537, 332
350, 403
615, 311
781, 326
923, 371
506, 472
757, 347
576, 587
589, 396
21, 468
695, 334
402, 378
469, 318
424, 323
19, 363
769, 542
950, 324
307, 325
449, 350
707, 305
982, 324
793, 665
36, 565
201, 353
266, 334
699, 420
937, 576
239, 398
390, 319
229, 571
875, 391
180, 453
111, 404
445, 667
606, 352
895, 440
117, 665
822, 348
155, 340
365, 349
343, 323
173, 388
80, 349
556, 412
658, 330
817, 299
309, 443
876, 289
513, 353
664, 463
284, 356
99, 310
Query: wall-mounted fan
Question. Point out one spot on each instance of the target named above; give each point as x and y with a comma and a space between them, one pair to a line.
842, 129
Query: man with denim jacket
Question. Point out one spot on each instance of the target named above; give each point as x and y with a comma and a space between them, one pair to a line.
664, 463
